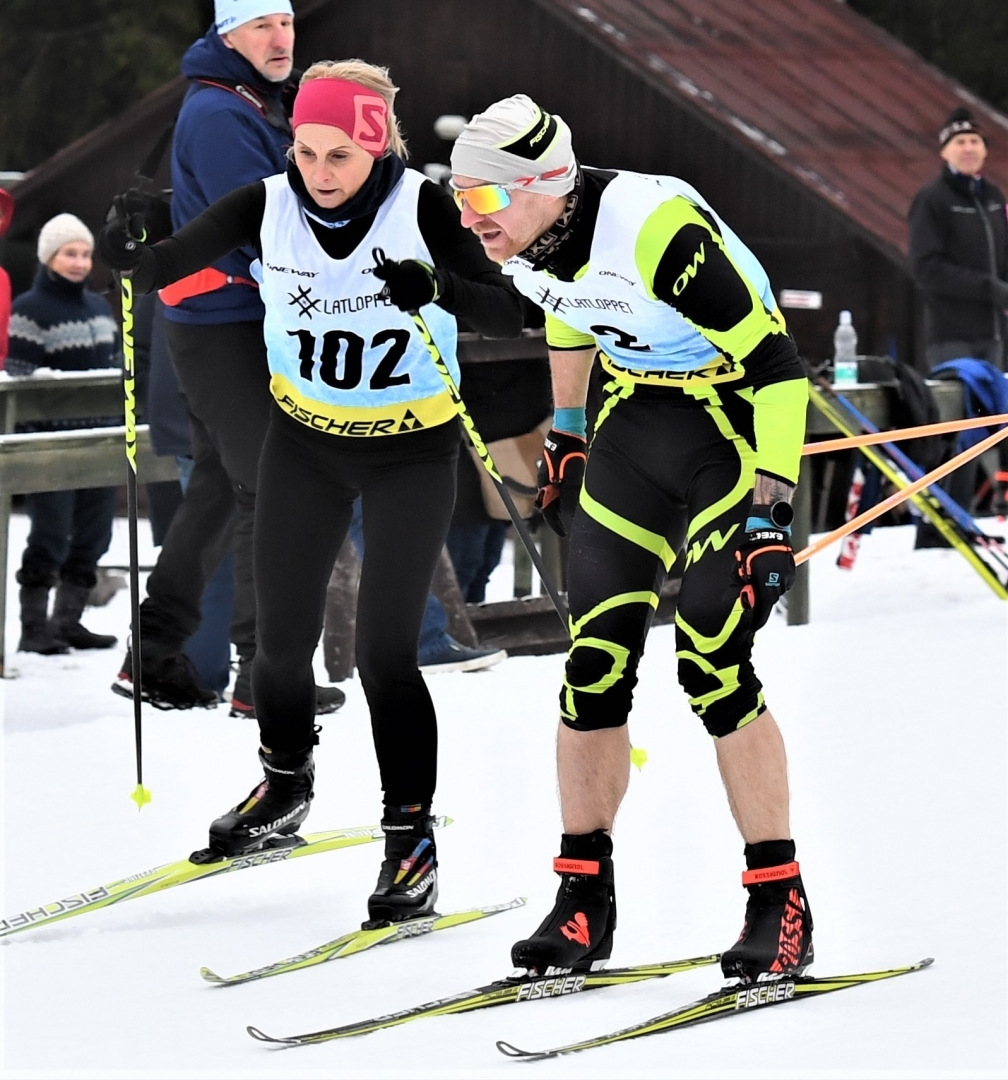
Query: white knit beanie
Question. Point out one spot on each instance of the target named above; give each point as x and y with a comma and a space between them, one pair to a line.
230, 14
515, 139
60, 230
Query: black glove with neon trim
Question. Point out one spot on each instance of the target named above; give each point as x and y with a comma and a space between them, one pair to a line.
764, 562
560, 475
409, 283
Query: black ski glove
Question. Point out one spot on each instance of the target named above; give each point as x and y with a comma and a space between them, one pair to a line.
121, 242
409, 283
765, 568
560, 475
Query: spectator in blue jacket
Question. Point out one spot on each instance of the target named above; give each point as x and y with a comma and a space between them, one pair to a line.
59, 324
232, 130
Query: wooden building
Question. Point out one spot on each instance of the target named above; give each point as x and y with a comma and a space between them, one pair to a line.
805, 126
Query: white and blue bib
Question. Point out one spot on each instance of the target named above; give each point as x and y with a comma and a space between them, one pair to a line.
342, 358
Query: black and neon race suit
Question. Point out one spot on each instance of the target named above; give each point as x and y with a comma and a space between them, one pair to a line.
702, 388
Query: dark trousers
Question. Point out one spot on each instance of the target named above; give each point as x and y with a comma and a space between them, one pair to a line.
475, 552
224, 379
70, 532
308, 482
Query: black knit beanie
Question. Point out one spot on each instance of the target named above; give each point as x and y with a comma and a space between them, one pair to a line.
959, 122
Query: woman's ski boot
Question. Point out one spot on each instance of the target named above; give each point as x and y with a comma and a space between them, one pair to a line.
407, 882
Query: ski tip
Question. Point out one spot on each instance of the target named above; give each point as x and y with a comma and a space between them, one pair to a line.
210, 976
508, 1050
926, 962
443, 822
261, 1036
141, 796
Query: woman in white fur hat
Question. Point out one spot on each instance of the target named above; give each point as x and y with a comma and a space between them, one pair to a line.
60, 324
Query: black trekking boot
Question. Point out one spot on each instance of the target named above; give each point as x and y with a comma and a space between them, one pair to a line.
327, 698
167, 679
68, 608
407, 882
37, 635
577, 934
276, 806
777, 934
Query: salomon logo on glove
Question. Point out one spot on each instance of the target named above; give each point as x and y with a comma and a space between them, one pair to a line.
765, 568
561, 473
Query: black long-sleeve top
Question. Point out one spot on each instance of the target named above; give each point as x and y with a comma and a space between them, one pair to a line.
472, 288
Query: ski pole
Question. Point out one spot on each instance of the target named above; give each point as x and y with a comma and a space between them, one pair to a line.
901, 496
140, 794
484, 455
876, 437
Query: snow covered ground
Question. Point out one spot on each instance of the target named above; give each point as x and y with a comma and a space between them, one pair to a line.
893, 703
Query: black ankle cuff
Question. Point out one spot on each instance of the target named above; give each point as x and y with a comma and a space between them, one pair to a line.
769, 853
593, 845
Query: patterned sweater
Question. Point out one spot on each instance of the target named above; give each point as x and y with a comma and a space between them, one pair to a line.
61, 325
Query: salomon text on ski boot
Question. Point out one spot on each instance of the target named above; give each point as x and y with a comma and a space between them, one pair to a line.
777, 935
577, 934
407, 883
275, 807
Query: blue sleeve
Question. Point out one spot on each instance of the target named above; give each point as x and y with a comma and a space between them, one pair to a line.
226, 149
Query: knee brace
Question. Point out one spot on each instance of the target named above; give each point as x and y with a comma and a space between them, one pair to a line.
598, 685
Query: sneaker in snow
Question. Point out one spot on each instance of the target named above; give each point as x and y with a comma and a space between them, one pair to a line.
327, 698
454, 656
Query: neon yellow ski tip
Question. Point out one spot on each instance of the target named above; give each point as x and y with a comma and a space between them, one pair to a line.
141, 796
638, 757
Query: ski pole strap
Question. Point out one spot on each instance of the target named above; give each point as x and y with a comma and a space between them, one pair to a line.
770, 873
577, 866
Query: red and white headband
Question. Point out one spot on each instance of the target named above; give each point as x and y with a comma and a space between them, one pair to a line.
360, 112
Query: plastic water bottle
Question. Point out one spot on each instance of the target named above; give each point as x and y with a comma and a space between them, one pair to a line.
845, 367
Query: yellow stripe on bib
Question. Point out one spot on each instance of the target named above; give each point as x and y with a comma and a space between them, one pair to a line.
391, 419
723, 369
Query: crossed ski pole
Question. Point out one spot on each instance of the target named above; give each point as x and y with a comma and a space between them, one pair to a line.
901, 496
484, 455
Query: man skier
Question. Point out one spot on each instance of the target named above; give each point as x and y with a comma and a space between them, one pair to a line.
698, 440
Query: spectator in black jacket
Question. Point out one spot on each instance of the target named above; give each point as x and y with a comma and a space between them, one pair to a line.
61, 325
959, 250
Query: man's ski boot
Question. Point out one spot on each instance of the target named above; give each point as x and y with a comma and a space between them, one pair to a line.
407, 882
275, 807
167, 679
777, 935
577, 934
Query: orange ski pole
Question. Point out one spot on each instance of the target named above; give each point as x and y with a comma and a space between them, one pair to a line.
876, 438
900, 496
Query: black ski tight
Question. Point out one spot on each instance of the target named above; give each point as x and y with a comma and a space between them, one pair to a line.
308, 482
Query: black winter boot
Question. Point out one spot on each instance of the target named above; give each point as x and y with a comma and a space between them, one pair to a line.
777, 934
407, 882
577, 934
67, 610
37, 635
276, 806
167, 679
327, 698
